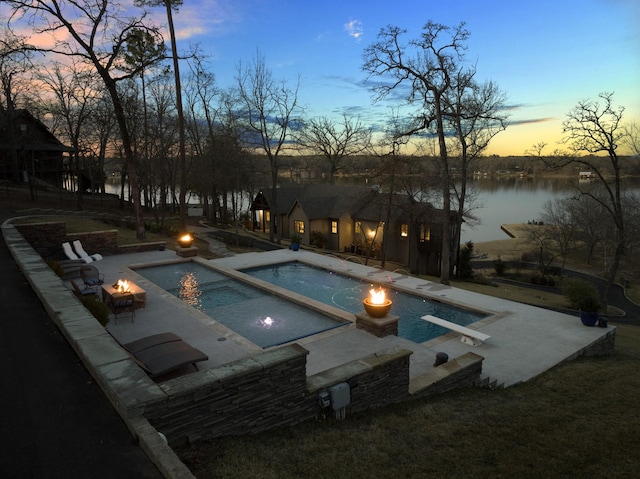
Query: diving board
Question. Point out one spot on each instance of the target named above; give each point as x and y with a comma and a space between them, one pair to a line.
468, 336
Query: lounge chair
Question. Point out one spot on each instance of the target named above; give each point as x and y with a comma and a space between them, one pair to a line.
163, 358
163, 353
91, 276
88, 258
68, 250
150, 341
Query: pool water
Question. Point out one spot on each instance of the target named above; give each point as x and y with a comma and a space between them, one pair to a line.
347, 293
260, 317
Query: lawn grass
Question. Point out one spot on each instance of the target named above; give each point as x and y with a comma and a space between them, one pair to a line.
576, 420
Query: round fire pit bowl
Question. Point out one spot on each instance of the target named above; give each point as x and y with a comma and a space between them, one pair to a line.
185, 241
376, 310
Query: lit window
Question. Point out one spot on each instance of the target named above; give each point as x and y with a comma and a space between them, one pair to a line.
334, 227
298, 226
425, 233
404, 230
358, 228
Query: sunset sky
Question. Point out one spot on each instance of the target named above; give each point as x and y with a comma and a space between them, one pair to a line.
546, 55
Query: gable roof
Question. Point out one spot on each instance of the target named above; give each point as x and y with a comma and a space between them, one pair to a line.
320, 201
330, 201
317, 200
40, 138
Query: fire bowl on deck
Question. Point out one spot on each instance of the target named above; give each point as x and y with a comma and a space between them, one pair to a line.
185, 241
377, 310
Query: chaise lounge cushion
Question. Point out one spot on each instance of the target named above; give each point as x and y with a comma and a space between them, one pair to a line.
162, 353
150, 341
166, 357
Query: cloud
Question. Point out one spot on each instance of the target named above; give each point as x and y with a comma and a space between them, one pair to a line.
530, 121
354, 28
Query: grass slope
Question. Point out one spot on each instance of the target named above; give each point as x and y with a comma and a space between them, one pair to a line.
576, 420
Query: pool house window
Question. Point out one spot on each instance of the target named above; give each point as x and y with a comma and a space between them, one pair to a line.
404, 230
425, 233
298, 227
334, 227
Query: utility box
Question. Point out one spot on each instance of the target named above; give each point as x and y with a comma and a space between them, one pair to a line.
340, 396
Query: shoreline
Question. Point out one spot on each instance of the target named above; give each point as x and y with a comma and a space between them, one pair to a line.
508, 249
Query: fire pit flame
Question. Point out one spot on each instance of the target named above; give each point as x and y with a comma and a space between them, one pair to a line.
377, 297
122, 286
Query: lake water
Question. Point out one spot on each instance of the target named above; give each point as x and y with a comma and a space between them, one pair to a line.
504, 200
511, 200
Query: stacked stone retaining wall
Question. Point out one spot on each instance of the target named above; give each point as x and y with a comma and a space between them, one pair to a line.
47, 239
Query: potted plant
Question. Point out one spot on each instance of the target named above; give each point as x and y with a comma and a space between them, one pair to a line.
584, 296
589, 306
295, 242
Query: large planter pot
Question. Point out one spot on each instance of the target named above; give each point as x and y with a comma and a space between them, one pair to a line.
589, 318
295, 246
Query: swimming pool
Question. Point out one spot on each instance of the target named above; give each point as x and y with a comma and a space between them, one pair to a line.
347, 293
262, 318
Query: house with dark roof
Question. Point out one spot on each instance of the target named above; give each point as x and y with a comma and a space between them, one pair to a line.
359, 220
29, 150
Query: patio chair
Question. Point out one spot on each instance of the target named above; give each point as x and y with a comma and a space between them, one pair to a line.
123, 303
82, 290
91, 276
88, 258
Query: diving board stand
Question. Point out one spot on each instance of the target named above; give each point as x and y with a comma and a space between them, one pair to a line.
468, 336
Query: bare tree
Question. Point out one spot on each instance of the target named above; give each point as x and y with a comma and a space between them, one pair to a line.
429, 72
99, 131
593, 128
561, 222
268, 107
478, 116
632, 138
545, 247
98, 31
334, 140
169, 6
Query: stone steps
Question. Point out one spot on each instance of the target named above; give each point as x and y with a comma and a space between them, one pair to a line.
487, 382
